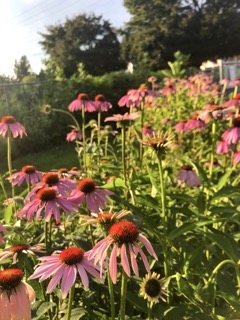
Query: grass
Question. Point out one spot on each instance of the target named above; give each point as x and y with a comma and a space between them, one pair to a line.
63, 156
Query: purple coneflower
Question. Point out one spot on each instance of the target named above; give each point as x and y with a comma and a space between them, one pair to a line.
236, 157
94, 195
104, 219
216, 164
233, 102
180, 126
28, 174
123, 118
82, 101
222, 148
232, 135
153, 288
152, 79
15, 295
234, 82
51, 179
75, 134
3, 231
125, 101
187, 176
147, 130
48, 201
101, 103
64, 267
141, 93
9, 123
123, 236
194, 124
17, 249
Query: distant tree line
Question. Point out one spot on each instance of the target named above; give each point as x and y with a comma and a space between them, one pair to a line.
89, 45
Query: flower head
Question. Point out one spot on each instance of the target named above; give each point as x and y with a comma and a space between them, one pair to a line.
52, 179
180, 126
236, 157
64, 267
187, 176
194, 124
158, 143
28, 174
94, 195
48, 201
9, 123
222, 148
3, 231
75, 134
15, 295
126, 118
104, 219
232, 135
148, 130
123, 237
152, 79
82, 101
101, 103
17, 249
153, 288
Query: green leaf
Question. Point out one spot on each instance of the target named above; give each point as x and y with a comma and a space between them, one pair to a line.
116, 183
42, 308
228, 191
223, 180
186, 227
8, 212
201, 202
184, 197
226, 243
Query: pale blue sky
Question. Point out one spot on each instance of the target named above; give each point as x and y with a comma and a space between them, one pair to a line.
21, 20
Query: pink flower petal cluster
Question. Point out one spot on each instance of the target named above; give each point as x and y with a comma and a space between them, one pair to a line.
74, 135
236, 157
123, 118
9, 123
123, 238
29, 174
48, 201
82, 101
232, 135
101, 104
222, 148
15, 250
94, 195
3, 231
15, 295
194, 124
64, 267
187, 176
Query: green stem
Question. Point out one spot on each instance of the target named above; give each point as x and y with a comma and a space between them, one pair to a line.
214, 127
123, 295
3, 188
123, 152
164, 217
70, 301
9, 156
69, 114
106, 146
84, 137
142, 124
111, 293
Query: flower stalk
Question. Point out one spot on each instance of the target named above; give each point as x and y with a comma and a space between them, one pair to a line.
70, 302
123, 295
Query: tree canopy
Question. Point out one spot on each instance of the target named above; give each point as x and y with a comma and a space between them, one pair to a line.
85, 39
22, 68
206, 29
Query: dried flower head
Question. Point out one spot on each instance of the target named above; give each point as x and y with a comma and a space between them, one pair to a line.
158, 143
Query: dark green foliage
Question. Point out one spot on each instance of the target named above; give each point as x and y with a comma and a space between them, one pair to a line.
86, 39
22, 68
158, 28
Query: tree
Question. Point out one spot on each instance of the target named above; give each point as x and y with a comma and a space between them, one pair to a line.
86, 39
22, 68
206, 29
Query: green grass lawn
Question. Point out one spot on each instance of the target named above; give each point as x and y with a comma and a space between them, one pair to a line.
63, 156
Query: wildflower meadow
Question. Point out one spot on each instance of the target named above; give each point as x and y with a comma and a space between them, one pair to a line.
145, 225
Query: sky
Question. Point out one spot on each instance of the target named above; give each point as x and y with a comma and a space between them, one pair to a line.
21, 20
